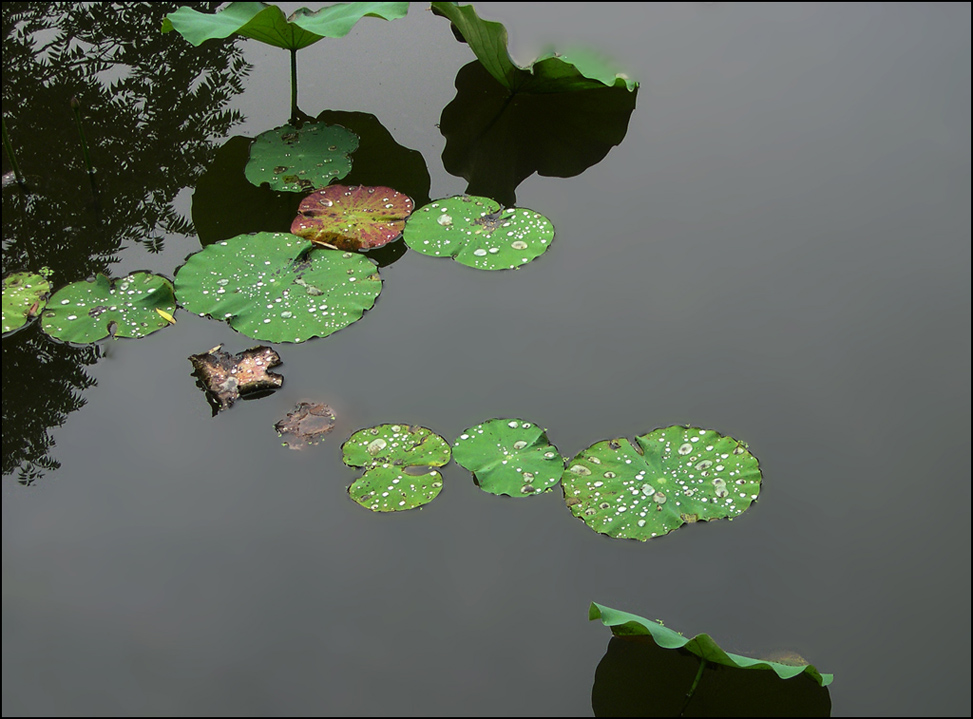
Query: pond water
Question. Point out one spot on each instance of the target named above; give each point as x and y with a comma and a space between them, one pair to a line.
779, 249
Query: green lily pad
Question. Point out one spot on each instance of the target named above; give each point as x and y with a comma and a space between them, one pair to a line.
91, 310
275, 287
291, 159
676, 475
551, 72
702, 645
352, 218
509, 456
385, 452
24, 297
477, 232
267, 23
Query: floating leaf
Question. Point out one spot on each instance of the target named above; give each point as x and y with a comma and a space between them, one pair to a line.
352, 218
385, 452
294, 159
225, 377
551, 72
24, 297
702, 645
477, 232
675, 475
275, 287
509, 456
305, 425
91, 310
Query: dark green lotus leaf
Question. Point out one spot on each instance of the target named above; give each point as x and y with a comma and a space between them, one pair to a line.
87, 311
24, 297
551, 72
267, 23
477, 232
352, 218
509, 456
386, 451
676, 475
275, 287
702, 645
294, 159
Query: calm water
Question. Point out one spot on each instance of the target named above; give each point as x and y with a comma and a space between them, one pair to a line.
779, 249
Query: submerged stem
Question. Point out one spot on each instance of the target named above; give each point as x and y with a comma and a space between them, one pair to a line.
10, 155
293, 85
692, 689
76, 108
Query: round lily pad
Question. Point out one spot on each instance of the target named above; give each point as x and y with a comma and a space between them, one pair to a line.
509, 456
352, 218
675, 475
300, 159
385, 452
24, 297
87, 311
478, 232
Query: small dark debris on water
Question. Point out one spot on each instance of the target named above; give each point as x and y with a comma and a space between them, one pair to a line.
226, 378
305, 425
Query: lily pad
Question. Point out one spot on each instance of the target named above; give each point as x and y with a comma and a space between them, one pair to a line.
352, 218
24, 297
305, 425
291, 159
702, 645
276, 287
509, 456
87, 311
676, 475
385, 452
226, 378
478, 232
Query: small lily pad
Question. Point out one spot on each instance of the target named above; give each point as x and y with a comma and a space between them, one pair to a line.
509, 456
24, 297
225, 377
305, 425
352, 218
385, 452
276, 287
91, 310
292, 159
676, 475
478, 232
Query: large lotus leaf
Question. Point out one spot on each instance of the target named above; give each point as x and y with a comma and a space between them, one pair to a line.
24, 297
702, 645
294, 159
552, 72
385, 452
266, 23
509, 456
477, 232
352, 218
675, 475
273, 286
91, 310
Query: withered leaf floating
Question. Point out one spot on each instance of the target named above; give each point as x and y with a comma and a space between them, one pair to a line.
305, 425
225, 377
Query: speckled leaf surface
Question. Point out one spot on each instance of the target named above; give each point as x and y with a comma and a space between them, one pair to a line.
478, 232
672, 476
352, 218
275, 287
385, 452
509, 456
291, 159
702, 645
24, 297
91, 310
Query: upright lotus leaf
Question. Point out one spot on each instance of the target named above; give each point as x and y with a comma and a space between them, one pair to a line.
352, 218
87, 311
478, 232
702, 645
551, 72
276, 287
292, 159
509, 456
385, 452
24, 297
673, 476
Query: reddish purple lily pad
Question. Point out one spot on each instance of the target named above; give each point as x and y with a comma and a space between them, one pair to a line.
352, 218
